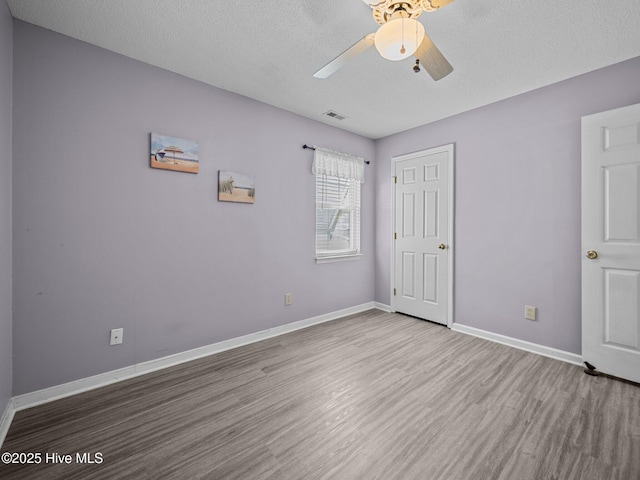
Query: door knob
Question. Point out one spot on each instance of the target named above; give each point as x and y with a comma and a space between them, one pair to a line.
592, 254
442, 246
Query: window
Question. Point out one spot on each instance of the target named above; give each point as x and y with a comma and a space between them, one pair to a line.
337, 216
338, 179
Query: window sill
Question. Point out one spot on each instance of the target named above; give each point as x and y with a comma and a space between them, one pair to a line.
338, 258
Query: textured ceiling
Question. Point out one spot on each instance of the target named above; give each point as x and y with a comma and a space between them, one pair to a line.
269, 50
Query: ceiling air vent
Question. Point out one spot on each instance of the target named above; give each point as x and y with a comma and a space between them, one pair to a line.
335, 115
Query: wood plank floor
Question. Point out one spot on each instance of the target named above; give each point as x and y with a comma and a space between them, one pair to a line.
370, 396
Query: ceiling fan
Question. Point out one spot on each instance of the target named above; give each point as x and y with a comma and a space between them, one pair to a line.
399, 36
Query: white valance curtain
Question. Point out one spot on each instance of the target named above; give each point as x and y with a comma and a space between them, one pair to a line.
337, 164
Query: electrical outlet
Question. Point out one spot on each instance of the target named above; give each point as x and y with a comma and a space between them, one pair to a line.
529, 312
116, 336
288, 299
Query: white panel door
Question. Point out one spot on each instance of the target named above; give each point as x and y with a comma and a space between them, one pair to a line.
422, 255
611, 242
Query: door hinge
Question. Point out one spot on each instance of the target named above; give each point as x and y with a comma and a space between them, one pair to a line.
394, 292
395, 236
395, 179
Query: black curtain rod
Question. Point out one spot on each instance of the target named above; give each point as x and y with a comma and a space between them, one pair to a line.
305, 146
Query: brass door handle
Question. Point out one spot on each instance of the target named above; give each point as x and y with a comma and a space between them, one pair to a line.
592, 254
442, 246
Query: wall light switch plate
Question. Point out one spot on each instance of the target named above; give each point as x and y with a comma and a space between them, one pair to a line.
288, 299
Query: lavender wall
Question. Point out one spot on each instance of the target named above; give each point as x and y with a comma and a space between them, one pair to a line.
6, 34
100, 240
517, 204
103, 241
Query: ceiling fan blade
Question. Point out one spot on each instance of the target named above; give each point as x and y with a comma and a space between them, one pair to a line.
349, 54
432, 59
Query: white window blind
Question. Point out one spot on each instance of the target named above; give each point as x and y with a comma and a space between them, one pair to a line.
338, 179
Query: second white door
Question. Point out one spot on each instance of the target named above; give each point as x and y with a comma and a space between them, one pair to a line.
423, 219
611, 242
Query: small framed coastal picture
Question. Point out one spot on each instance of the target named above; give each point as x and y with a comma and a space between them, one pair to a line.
173, 153
236, 187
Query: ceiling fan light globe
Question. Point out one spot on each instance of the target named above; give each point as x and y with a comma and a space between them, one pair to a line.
393, 35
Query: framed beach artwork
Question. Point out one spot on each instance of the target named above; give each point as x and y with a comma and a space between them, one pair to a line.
173, 153
236, 187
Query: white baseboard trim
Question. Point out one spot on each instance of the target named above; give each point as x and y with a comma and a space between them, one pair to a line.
39, 397
5, 420
382, 306
32, 399
520, 344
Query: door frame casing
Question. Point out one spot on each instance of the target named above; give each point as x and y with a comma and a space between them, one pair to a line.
450, 149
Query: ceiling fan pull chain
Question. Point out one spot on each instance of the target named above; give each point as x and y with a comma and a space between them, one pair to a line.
402, 49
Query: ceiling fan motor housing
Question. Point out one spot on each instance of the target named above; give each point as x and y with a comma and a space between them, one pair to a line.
383, 10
